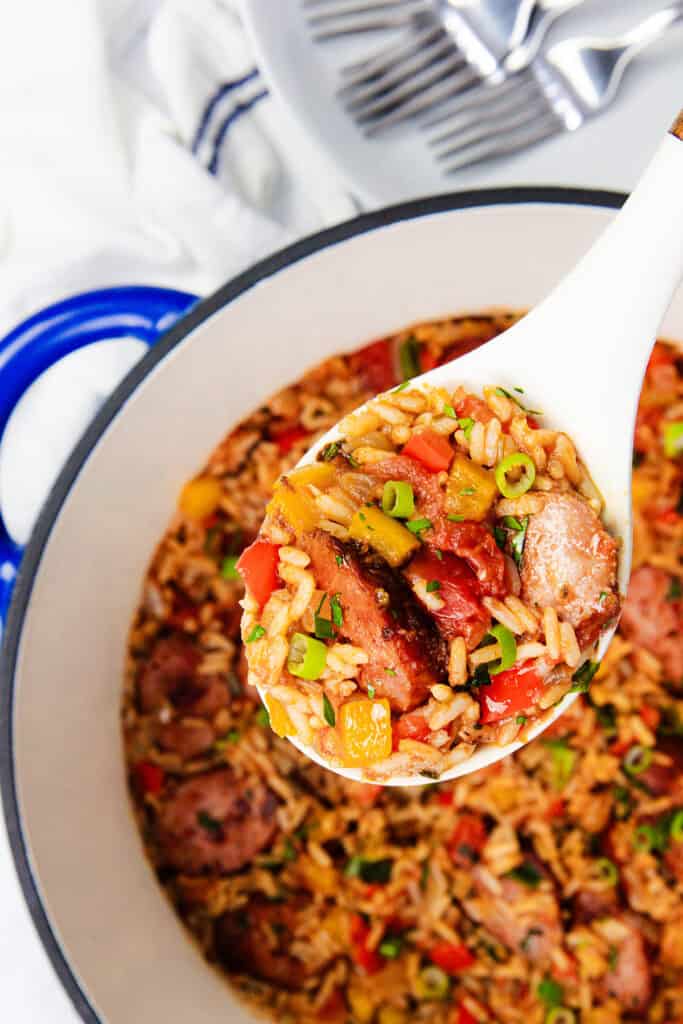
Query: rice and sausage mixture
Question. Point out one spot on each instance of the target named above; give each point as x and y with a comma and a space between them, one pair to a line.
546, 889
437, 579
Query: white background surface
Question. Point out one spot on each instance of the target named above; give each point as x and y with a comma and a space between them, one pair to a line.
29, 991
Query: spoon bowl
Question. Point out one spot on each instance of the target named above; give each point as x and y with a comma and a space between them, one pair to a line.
583, 366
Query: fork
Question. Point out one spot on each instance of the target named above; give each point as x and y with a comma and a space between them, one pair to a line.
572, 82
331, 19
447, 49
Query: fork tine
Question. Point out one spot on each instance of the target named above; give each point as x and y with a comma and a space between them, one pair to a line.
346, 17
425, 100
483, 96
494, 125
405, 72
403, 93
502, 145
370, 67
478, 109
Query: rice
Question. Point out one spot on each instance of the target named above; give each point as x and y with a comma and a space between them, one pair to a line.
352, 869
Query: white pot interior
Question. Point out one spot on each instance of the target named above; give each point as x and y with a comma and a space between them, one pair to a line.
125, 946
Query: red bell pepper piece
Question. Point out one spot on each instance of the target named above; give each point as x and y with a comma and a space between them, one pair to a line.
411, 726
431, 449
650, 716
461, 612
510, 692
451, 958
374, 364
467, 840
288, 438
555, 809
368, 960
474, 408
257, 565
150, 777
464, 1016
620, 747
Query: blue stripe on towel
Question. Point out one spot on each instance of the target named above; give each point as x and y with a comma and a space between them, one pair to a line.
215, 99
235, 113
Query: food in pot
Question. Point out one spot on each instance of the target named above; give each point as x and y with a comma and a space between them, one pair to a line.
545, 888
436, 580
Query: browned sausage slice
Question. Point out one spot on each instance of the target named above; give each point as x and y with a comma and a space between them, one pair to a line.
526, 924
216, 822
570, 564
383, 617
187, 738
171, 674
652, 620
244, 942
629, 978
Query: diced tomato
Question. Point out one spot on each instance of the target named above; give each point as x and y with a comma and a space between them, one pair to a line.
368, 960
464, 1016
451, 958
620, 747
474, 543
288, 438
431, 449
334, 1007
650, 716
257, 566
150, 777
467, 840
510, 692
411, 726
445, 797
427, 360
555, 809
474, 408
374, 364
462, 613
532, 422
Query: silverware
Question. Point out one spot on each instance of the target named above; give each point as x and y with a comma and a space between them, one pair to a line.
331, 19
572, 82
445, 50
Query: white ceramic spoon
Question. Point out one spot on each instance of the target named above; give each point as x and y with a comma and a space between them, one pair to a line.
580, 357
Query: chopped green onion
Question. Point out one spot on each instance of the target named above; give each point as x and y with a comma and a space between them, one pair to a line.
560, 1015
328, 711
307, 656
371, 692
324, 630
517, 542
520, 719
512, 523
372, 872
336, 609
330, 451
417, 526
228, 570
256, 634
550, 992
390, 671
520, 391
455, 519
448, 410
606, 871
508, 649
518, 460
648, 838
409, 358
391, 947
583, 676
398, 499
676, 829
673, 439
262, 717
339, 559
438, 553
563, 760
468, 490
432, 983
432, 586
527, 873
675, 589
638, 759
401, 387
501, 537
466, 423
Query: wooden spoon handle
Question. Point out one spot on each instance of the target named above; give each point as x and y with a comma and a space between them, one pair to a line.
677, 127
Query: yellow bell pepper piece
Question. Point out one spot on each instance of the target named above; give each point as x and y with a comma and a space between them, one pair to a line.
361, 1005
295, 506
365, 727
200, 497
643, 489
280, 722
391, 1015
471, 489
319, 877
383, 534
320, 474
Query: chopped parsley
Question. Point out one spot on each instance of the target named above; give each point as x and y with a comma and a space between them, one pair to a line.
324, 630
208, 823
518, 540
675, 589
455, 519
372, 872
512, 523
328, 711
418, 526
371, 692
500, 536
432, 586
583, 676
528, 874
466, 423
448, 410
550, 992
468, 490
229, 568
339, 559
336, 609
262, 717
330, 451
256, 634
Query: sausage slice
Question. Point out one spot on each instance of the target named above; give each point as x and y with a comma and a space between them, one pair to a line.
383, 617
653, 621
570, 564
170, 674
255, 940
216, 822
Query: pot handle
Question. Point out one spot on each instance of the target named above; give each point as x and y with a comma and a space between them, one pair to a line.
32, 347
